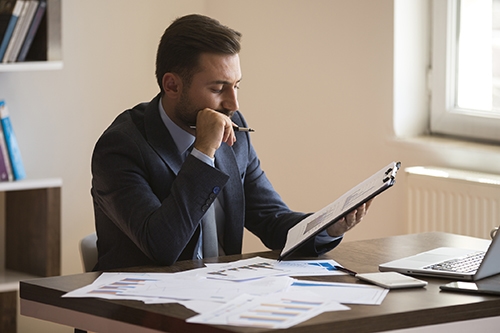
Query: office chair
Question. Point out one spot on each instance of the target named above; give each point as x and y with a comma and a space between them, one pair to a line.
88, 251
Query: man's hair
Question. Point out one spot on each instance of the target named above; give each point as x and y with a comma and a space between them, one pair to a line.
186, 39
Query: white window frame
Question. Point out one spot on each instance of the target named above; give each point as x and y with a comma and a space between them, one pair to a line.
445, 118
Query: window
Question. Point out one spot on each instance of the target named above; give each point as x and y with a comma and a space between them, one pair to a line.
465, 71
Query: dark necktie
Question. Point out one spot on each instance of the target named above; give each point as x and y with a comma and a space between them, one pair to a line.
209, 232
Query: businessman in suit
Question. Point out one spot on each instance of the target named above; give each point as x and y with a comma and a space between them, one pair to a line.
169, 173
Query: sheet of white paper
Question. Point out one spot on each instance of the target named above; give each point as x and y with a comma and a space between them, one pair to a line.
280, 310
258, 267
111, 285
195, 305
346, 293
210, 290
246, 269
309, 267
161, 288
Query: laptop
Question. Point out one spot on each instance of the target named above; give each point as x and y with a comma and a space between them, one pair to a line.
449, 262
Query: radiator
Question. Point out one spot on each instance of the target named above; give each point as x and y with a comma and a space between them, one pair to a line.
455, 201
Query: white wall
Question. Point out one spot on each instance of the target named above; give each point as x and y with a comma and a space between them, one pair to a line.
317, 87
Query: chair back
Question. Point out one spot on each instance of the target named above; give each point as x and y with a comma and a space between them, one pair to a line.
88, 251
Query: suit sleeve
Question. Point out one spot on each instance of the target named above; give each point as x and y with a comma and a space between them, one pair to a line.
156, 209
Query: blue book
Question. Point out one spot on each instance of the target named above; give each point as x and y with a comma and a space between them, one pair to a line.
6, 9
10, 27
11, 143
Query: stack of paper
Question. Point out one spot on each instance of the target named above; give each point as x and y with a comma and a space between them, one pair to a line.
255, 292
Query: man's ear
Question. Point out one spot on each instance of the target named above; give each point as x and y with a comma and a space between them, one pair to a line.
172, 85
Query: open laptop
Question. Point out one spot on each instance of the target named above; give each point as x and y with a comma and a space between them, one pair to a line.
430, 263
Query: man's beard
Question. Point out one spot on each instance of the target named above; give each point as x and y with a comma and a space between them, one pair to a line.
185, 111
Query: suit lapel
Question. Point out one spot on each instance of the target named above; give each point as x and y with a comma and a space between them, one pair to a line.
161, 141
159, 137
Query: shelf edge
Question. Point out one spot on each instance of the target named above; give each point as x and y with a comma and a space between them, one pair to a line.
30, 184
31, 66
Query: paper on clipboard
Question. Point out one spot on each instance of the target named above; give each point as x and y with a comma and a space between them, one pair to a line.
330, 214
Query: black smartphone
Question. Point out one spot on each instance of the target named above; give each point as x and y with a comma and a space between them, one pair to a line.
490, 287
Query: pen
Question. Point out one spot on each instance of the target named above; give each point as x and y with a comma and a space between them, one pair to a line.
236, 129
345, 270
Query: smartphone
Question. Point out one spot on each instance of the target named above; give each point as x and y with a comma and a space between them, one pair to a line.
392, 280
491, 288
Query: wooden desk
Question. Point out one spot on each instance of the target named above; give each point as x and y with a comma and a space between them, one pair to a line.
41, 298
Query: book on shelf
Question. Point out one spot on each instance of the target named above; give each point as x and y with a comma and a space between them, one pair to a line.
6, 9
20, 30
11, 19
5, 168
16, 161
24, 23
32, 30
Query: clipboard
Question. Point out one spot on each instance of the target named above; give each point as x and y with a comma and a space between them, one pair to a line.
322, 219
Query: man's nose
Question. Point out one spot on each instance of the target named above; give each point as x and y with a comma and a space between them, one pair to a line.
231, 102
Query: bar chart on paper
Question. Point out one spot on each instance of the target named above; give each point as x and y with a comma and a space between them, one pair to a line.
274, 311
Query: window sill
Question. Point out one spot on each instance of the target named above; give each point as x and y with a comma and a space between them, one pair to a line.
449, 152
449, 142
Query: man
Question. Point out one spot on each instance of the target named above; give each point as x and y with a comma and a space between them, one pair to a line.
156, 201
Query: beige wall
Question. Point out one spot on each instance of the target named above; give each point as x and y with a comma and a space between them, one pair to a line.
317, 87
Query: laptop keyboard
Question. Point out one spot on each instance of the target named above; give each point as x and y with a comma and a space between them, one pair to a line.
462, 265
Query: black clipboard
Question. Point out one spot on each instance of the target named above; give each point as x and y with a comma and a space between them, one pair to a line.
322, 219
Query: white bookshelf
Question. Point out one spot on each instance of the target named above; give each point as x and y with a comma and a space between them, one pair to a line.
30, 210
47, 46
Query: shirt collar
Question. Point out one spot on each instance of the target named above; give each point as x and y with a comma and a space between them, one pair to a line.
183, 140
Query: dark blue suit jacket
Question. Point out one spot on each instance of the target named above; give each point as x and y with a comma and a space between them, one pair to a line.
148, 204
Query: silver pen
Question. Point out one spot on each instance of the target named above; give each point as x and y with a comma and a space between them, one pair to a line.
235, 128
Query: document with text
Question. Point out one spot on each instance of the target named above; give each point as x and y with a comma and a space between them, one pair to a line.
322, 219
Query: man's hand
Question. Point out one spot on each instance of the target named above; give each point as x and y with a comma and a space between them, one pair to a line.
348, 222
213, 128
